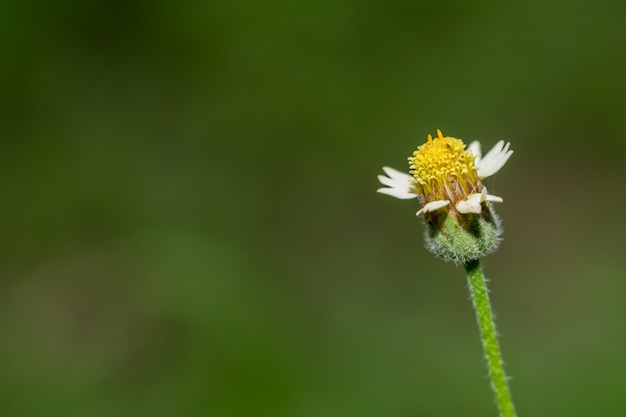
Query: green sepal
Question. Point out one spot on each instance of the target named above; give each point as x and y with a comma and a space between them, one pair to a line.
461, 238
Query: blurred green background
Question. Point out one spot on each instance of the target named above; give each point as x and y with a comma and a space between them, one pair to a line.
189, 224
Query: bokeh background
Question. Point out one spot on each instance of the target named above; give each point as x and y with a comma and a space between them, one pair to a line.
189, 224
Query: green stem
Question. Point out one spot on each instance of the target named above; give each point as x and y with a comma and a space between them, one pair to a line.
480, 299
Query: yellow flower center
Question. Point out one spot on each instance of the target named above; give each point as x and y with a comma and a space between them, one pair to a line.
444, 170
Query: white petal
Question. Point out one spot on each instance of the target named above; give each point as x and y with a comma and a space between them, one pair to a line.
494, 198
399, 184
393, 183
432, 206
497, 148
497, 152
494, 160
494, 166
472, 204
397, 175
474, 148
466, 207
483, 194
397, 193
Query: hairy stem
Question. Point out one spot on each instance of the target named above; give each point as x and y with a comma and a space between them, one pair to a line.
480, 299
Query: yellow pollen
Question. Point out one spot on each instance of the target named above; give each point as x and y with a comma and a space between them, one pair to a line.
444, 170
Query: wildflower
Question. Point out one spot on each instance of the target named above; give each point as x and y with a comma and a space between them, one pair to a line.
445, 176
446, 179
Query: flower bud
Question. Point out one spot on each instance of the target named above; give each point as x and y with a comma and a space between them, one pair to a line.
446, 179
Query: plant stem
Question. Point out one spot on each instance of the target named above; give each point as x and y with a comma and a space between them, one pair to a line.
480, 299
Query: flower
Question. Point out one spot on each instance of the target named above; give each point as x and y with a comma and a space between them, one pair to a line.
447, 174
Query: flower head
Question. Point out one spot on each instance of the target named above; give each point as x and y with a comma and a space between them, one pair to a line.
447, 174
446, 179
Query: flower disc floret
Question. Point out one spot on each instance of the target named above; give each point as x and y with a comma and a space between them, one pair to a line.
443, 169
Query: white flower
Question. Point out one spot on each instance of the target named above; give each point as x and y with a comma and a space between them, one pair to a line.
445, 172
